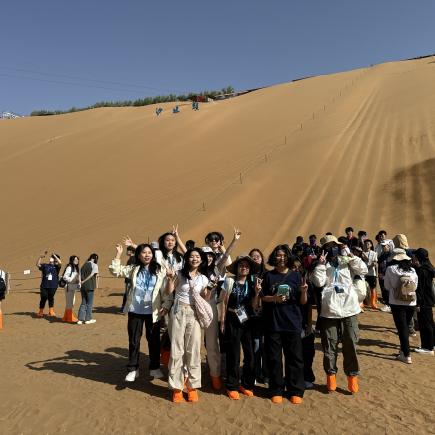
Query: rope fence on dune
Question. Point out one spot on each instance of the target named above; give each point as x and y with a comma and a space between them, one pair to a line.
267, 149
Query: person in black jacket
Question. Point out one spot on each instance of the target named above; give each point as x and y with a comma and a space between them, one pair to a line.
425, 300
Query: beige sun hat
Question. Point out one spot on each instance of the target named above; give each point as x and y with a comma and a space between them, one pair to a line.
401, 241
328, 239
399, 254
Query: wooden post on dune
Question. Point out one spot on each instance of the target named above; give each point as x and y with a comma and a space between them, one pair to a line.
241, 181
285, 140
203, 206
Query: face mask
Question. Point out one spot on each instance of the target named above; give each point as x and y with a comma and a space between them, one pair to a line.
333, 251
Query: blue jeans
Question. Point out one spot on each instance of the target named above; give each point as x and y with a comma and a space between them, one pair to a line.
85, 310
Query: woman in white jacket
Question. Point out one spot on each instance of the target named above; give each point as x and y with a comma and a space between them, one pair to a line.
146, 304
72, 278
340, 306
401, 281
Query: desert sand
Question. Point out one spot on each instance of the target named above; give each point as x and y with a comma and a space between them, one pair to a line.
355, 148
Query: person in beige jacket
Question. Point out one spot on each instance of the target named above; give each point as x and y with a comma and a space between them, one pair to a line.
146, 303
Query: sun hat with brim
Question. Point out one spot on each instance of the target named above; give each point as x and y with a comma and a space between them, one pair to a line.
253, 266
399, 255
207, 250
329, 239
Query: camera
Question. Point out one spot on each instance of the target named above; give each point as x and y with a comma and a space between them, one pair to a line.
339, 289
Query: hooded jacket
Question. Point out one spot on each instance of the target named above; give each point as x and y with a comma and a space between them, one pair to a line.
338, 305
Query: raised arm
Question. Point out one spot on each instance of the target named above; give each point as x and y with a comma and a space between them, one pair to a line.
127, 240
180, 243
225, 260
116, 268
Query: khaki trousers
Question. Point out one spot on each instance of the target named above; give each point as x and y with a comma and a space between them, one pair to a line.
185, 334
70, 296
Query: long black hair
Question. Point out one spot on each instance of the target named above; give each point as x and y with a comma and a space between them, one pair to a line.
162, 247
404, 265
74, 267
185, 269
93, 257
263, 269
285, 248
153, 267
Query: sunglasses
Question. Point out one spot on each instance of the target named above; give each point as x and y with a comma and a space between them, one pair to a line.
213, 239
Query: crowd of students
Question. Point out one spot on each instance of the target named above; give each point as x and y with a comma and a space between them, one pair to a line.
264, 308
180, 293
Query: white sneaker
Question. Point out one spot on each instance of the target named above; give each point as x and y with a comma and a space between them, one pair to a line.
386, 309
132, 376
424, 351
88, 322
79, 322
156, 374
403, 358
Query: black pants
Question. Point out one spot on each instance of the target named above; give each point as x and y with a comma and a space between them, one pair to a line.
47, 293
426, 325
260, 366
237, 334
384, 292
289, 343
402, 315
308, 354
152, 332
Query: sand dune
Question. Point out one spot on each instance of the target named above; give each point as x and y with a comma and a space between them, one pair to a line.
364, 155
355, 148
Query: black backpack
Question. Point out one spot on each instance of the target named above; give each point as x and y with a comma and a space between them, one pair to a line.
3, 287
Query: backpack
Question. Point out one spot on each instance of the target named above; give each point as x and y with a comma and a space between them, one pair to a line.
406, 291
3, 287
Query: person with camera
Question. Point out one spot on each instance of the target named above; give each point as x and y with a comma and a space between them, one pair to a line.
237, 298
340, 306
282, 292
49, 282
71, 278
89, 282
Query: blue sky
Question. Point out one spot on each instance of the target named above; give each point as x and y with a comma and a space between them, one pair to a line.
56, 54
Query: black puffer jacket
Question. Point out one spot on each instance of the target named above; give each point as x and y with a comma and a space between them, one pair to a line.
426, 274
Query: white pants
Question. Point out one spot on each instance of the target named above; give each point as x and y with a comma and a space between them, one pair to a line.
185, 334
212, 343
70, 296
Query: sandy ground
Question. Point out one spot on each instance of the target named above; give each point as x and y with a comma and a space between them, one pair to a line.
355, 148
62, 378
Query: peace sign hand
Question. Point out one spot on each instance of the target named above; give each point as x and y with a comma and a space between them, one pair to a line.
322, 259
237, 234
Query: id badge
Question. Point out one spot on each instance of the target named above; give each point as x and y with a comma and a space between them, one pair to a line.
50, 277
241, 315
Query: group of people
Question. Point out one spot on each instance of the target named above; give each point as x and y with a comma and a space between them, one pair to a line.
179, 290
73, 279
180, 293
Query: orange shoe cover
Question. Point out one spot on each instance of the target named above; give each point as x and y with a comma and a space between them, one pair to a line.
233, 395
246, 392
192, 395
352, 384
276, 399
331, 382
177, 396
296, 400
216, 382
40, 312
51, 312
164, 357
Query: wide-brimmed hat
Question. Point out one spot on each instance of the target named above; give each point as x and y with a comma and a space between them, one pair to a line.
253, 266
207, 250
328, 239
399, 254
401, 241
